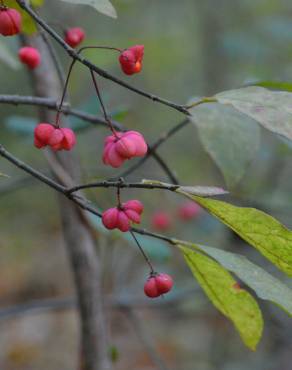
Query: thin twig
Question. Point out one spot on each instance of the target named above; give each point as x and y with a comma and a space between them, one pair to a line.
74, 55
82, 202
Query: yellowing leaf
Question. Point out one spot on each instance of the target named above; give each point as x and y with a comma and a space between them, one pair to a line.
221, 288
262, 231
265, 285
37, 3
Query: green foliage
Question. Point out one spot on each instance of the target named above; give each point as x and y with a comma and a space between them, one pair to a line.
235, 303
275, 85
265, 285
203, 191
37, 3
103, 6
272, 109
230, 138
262, 231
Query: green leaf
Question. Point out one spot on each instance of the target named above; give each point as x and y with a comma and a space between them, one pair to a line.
103, 6
230, 138
262, 231
235, 303
7, 57
265, 285
275, 85
203, 191
272, 109
28, 24
37, 3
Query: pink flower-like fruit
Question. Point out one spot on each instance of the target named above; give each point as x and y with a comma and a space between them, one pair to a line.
122, 217
131, 59
122, 146
10, 21
159, 284
161, 220
74, 36
29, 56
46, 134
189, 210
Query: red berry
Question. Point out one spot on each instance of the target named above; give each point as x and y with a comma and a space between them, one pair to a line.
42, 134
158, 284
164, 283
131, 59
10, 22
74, 36
189, 210
161, 220
122, 146
121, 218
29, 56
150, 288
46, 134
110, 217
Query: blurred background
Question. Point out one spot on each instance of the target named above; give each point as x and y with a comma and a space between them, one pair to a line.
192, 48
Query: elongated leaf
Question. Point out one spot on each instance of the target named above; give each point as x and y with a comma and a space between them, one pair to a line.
272, 109
275, 85
103, 6
265, 285
236, 304
203, 191
262, 231
229, 137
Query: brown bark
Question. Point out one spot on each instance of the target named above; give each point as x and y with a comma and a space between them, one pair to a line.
79, 240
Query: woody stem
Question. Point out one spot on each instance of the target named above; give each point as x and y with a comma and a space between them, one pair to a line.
106, 117
143, 253
59, 110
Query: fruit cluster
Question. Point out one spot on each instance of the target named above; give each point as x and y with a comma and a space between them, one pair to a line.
121, 217
118, 147
46, 134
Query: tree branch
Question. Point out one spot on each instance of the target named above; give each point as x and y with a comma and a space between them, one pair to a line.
76, 56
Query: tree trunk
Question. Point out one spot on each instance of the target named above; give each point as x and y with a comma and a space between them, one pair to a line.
79, 240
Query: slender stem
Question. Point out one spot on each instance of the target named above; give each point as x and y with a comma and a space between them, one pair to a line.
121, 184
106, 117
74, 55
59, 110
143, 253
99, 47
119, 193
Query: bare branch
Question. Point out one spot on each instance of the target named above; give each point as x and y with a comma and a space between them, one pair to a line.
75, 55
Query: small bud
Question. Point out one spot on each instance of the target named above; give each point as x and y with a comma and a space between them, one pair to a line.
10, 21
74, 36
131, 59
29, 56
